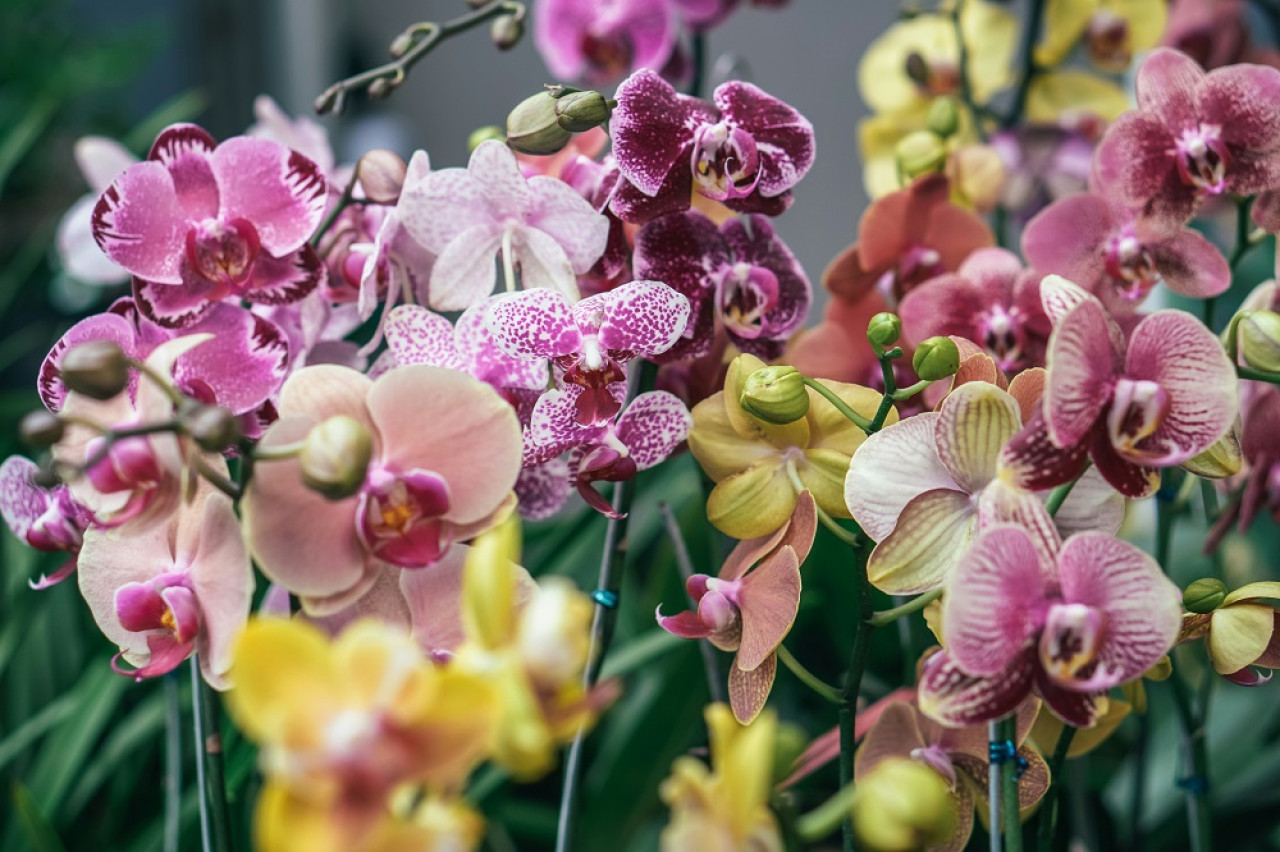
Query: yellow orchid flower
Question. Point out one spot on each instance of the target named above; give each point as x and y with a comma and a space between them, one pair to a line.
724, 808
759, 467
1242, 632
1113, 30
1075, 99
344, 724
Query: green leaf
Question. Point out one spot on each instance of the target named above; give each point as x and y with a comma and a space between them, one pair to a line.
32, 823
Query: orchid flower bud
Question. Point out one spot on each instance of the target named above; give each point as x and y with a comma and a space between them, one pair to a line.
902, 805
98, 369
506, 31
944, 117
40, 428
1204, 595
335, 457
775, 395
1259, 335
213, 428
936, 358
534, 128
382, 174
920, 153
884, 329
579, 112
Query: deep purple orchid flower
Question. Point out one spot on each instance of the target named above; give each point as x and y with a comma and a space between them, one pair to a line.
1119, 255
197, 222
747, 151
992, 300
1194, 135
1020, 617
739, 276
590, 342
48, 519
1156, 401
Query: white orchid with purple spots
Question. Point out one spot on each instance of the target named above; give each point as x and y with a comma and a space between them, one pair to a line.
47, 519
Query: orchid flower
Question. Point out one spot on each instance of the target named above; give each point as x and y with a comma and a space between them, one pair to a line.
1194, 135
302, 134
48, 519
590, 342
750, 606
1113, 31
1242, 634
1215, 33
169, 590
1261, 423
467, 216
431, 481
925, 487
1045, 162
197, 222
747, 151
739, 276
100, 160
1020, 617
1158, 400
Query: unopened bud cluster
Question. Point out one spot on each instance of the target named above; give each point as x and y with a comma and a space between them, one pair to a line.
544, 123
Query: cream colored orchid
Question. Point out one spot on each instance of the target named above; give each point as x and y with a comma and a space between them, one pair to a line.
1242, 633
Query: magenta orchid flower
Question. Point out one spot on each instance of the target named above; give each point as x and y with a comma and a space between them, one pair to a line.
467, 216
926, 486
197, 222
648, 430
1119, 256
177, 588
48, 519
1067, 625
432, 480
739, 276
747, 151
100, 161
750, 606
1194, 135
1163, 397
590, 342
992, 300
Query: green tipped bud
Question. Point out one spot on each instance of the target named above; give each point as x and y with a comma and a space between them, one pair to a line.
580, 111
775, 395
506, 31
213, 428
382, 88
382, 175
884, 329
335, 457
484, 134
944, 117
920, 153
936, 358
1204, 595
902, 804
534, 128
98, 369
1259, 335
41, 428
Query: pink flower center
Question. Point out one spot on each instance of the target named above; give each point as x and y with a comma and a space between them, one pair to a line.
1070, 640
1108, 42
1138, 407
725, 162
936, 758
608, 52
400, 516
594, 370
1202, 158
1002, 335
167, 610
745, 293
1128, 261
917, 264
223, 252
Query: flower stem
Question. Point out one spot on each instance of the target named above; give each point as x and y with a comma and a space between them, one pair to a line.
1049, 808
862, 629
215, 820
1012, 806
890, 386
840, 405
808, 678
508, 262
715, 680
962, 53
823, 819
172, 762
888, 616
994, 796
343, 201
1035, 15
1058, 496
1196, 782
1258, 375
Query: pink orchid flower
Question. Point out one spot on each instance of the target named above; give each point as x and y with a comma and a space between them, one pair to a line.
747, 151
750, 605
1215, 33
1021, 617
198, 222
100, 160
590, 342
302, 134
1119, 255
992, 300
1045, 162
597, 182
739, 276
467, 216
1194, 135
1156, 401
48, 519
1260, 417
177, 588
446, 451
926, 486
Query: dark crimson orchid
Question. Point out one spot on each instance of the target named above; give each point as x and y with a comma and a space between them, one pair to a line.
740, 277
992, 300
48, 519
747, 151
1024, 616
198, 222
1194, 135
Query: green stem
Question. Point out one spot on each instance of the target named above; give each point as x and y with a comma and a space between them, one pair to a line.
343, 201
1058, 496
822, 820
1030, 36
1241, 248
903, 394
1258, 375
1199, 814
1137, 794
698, 57
966, 89
995, 795
887, 616
1012, 807
1049, 808
890, 387
215, 819
172, 762
840, 405
808, 678
862, 629
838, 531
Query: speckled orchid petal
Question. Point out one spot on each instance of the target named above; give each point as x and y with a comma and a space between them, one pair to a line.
21, 502
749, 690
642, 318
543, 489
879, 485
487, 362
416, 335
651, 131
783, 137
652, 426
1081, 364
554, 428
534, 324
950, 696
1035, 462
684, 251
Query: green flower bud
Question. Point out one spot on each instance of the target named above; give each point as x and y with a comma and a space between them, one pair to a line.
580, 111
936, 358
41, 428
335, 457
902, 804
534, 128
1204, 595
213, 428
775, 395
506, 31
884, 329
484, 134
944, 116
1259, 335
98, 369
920, 153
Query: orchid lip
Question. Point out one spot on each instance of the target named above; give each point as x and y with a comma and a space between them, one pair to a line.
745, 294
1003, 336
1131, 266
223, 252
1070, 640
1138, 408
400, 517
1202, 158
725, 162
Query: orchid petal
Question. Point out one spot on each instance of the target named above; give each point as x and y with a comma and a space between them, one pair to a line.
654, 424
1239, 634
952, 697
416, 335
749, 690
976, 421
280, 191
534, 324
1081, 364
643, 318
879, 485
769, 599
931, 535
139, 224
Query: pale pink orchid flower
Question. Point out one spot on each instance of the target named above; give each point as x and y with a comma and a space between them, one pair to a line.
468, 216
446, 452
172, 589
1024, 615
47, 519
100, 160
926, 486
